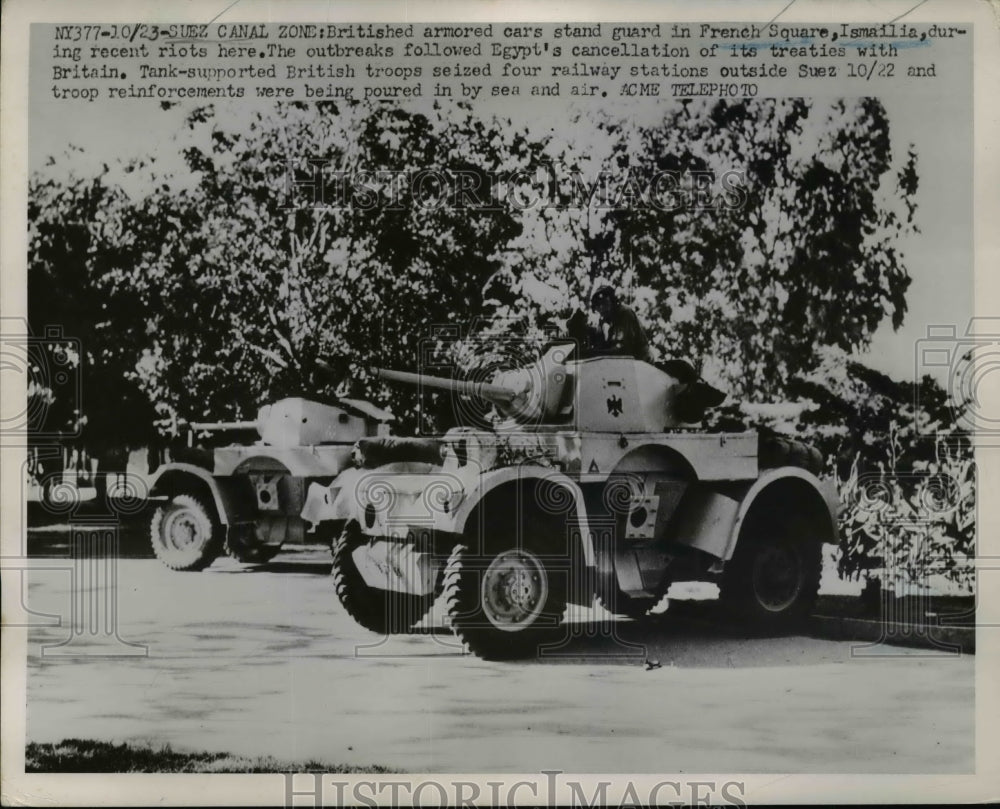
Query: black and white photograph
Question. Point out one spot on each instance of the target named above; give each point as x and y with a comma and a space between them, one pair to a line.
478, 404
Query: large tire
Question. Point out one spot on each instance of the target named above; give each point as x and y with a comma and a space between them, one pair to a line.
503, 604
243, 547
384, 612
185, 533
771, 583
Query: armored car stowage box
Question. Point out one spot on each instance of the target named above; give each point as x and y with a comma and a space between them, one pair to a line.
584, 488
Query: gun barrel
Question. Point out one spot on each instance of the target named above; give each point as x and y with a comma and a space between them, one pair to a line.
204, 426
484, 390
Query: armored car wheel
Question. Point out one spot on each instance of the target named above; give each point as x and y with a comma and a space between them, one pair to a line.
502, 604
382, 611
771, 583
185, 533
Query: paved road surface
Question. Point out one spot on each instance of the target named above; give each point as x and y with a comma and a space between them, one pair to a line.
263, 660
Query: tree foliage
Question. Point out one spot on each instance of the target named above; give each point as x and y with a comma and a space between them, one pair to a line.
230, 287
801, 253
226, 286
904, 468
81, 231
276, 283
211, 290
905, 471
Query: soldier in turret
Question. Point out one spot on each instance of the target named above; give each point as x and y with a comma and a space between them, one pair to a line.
621, 334
620, 331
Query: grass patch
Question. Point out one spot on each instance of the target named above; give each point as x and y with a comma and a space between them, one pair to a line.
86, 756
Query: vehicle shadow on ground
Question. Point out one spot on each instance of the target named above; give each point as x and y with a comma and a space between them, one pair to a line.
692, 640
690, 634
313, 568
663, 646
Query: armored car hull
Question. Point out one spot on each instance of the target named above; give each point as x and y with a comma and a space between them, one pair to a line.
585, 492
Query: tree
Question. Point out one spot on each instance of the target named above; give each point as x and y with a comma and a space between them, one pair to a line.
228, 281
905, 471
799, 251
904, 468
80, 230
254, 278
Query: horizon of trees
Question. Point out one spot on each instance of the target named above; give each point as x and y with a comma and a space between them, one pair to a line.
210, 294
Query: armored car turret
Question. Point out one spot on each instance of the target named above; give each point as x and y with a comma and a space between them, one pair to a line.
617, 394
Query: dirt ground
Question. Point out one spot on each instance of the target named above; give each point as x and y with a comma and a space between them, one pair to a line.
264, 661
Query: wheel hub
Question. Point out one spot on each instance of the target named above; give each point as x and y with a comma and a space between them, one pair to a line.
182, 530
515, 589
777, 577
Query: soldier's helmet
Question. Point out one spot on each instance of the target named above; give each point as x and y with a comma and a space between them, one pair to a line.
601, 294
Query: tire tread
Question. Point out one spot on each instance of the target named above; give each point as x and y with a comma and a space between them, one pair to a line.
210, 550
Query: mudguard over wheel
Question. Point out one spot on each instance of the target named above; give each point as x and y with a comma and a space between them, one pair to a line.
381, 611
185, 533
241, 546
619, 491
503, 604
771, 583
